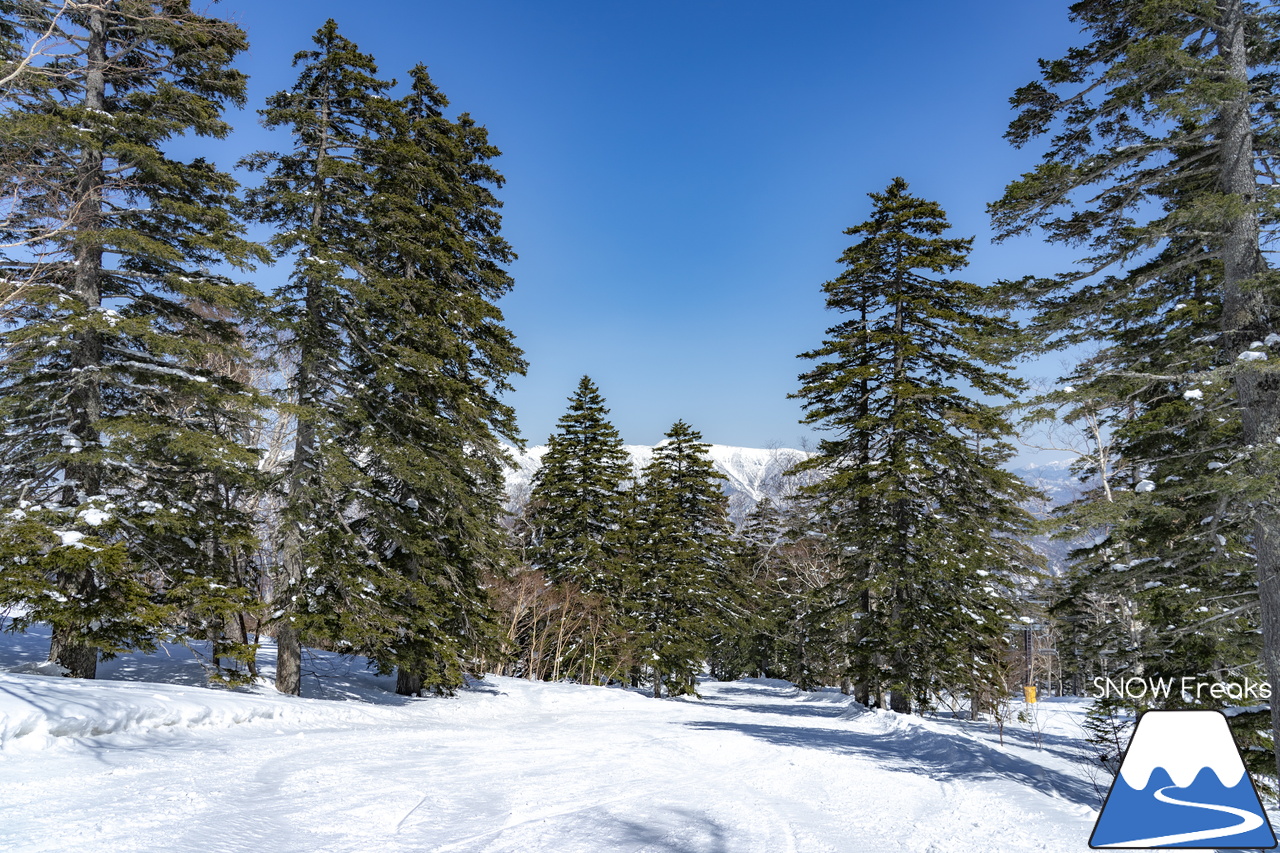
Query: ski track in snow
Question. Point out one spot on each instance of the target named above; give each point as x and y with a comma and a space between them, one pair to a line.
754, 767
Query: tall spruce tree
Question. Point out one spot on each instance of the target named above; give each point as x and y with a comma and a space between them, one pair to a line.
681, 558
577, 515
317, 194
430, 359
117, 437
924, 516
1162, 138
576, 505
393, 493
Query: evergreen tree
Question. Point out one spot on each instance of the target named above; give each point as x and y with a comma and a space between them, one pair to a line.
749, 645
317, 195
681, 558
923, 514
1162, 140
430, 358
394, 487
577, 512
576, 501
117, 440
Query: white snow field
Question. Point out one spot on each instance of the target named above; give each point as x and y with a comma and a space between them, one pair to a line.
146, 759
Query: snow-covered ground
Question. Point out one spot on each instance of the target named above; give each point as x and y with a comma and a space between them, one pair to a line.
145, 759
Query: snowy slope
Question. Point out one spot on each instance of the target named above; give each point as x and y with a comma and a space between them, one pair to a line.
127, 766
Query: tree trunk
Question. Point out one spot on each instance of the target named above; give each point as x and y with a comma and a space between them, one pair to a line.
1246, 317
657, 684
301, 472
408, 683
237, 630
80, 660
288, 659
84, 478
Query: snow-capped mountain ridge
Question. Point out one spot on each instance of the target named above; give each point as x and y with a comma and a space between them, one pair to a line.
754, 473
751, 474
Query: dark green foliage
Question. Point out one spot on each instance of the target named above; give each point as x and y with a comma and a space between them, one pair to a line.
317, 194
577, 502
923, 514
1144, 125
681, 557
750, 645
431, 359
85, 587
394, 487
577, 513
116, 426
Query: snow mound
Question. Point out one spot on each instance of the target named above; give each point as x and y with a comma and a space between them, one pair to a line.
36, 711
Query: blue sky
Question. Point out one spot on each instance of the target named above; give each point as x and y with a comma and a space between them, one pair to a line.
679, 174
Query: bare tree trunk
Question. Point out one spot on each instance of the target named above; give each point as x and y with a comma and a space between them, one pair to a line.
408, 683
301, 474
236, 629
288, 659
80, 660
1246, 316
84, 479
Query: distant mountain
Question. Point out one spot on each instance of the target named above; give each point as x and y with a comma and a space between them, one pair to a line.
751, 474
1060, 486
1054, 478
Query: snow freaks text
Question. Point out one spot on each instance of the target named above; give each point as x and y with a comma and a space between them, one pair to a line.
1139, 687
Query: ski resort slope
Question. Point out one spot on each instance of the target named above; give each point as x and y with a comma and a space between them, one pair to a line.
510, 765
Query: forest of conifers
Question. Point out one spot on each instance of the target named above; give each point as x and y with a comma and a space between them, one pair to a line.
187, 455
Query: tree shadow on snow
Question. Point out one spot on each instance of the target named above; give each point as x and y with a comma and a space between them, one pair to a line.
678, 831
928, 754
832, 705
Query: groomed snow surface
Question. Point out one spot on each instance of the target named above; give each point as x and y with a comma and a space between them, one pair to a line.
147, 759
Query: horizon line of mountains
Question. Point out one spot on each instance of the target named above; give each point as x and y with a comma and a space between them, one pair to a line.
752, 474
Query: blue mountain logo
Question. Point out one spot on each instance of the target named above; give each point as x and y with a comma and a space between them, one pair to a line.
1182, 784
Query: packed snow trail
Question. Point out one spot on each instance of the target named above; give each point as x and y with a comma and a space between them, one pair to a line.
510, 765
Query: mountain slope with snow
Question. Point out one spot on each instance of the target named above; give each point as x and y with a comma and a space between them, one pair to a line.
751, 474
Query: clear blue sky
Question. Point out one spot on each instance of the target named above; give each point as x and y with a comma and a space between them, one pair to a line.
679, 173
